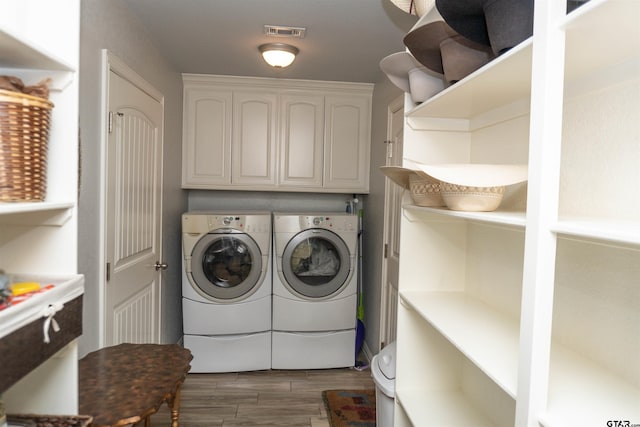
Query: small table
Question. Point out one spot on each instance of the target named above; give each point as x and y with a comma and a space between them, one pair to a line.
127, 383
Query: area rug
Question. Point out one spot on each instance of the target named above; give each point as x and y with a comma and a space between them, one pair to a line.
350, 408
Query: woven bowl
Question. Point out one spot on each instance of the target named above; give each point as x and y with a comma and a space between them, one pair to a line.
425, 192
471, 199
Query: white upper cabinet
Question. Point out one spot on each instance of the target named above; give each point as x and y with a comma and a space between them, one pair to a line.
207, 137
347, 143
528, 316
253, 152
301, 140
285, 135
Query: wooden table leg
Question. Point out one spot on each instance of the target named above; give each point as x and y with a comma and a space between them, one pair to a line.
174, 406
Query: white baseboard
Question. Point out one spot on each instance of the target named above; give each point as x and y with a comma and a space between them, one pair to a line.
366, 351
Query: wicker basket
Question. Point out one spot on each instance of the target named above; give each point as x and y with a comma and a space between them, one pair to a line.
24, 135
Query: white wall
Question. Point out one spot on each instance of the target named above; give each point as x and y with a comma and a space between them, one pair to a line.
109, 24
267, 201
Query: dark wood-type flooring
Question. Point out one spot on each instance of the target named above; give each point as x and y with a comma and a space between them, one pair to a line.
263, 398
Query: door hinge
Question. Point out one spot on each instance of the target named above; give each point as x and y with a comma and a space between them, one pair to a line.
389, 144
110, 126
108, 271
386, 250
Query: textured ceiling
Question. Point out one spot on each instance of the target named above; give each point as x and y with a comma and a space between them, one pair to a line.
345, 39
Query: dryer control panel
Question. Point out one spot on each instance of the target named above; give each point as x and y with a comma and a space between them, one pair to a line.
337, 223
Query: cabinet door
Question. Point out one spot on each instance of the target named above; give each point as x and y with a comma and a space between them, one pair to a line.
254, 138
347, 141
301, 140
206, 152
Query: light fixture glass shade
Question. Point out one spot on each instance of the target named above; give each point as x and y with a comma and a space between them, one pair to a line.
278, 55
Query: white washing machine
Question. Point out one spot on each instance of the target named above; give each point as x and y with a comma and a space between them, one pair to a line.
226, 290
314, 290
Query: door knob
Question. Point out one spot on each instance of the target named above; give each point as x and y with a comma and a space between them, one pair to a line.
161, 265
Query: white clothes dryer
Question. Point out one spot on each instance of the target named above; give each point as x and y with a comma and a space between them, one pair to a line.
314, 290
226, 290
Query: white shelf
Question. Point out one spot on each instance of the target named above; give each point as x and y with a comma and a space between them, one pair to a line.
504, 81
625, 233
37, 213
20, 54
486, 337
441, 408
31, 63
505, 218
600, 34
581, 393
14, 208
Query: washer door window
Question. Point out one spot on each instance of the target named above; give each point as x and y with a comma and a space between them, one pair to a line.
316, 263
226, 265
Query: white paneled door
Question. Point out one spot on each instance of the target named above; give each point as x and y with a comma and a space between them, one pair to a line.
133, 214
392, 210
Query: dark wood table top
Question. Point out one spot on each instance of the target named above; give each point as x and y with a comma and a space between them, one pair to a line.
126, 383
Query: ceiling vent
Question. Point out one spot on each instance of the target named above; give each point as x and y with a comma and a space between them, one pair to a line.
279, 31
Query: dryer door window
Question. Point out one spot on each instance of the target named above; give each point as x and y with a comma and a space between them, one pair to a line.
226, 265
316, 263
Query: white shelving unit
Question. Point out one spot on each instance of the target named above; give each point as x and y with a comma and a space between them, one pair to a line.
39, 40
34, 48
528, 316
451, 314
443, 408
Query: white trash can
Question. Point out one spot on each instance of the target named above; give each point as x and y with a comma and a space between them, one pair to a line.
383, 370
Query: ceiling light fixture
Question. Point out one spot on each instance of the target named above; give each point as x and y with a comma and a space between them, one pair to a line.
278, 55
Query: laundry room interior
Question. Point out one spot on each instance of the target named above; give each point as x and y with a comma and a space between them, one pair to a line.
320, 213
